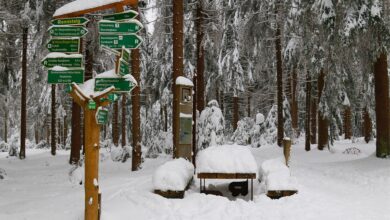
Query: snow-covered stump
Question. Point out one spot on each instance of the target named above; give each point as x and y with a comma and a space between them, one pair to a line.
277, 179
173, 178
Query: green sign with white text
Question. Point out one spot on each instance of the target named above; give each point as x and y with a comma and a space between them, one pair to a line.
111, 27
65, 76
124, 68
101, 116
70, 21
126, 15
69, 62
64, 45
125, 54
120, 84
117, 41
67, 31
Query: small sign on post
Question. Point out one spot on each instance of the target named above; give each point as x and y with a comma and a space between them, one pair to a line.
117, 41
69, 61
123, 68
62, 75
101, 116
126, 15
64, 45
113, 27
70, 21
120, 84
67, 31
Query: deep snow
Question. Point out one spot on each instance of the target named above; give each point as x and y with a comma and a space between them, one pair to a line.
332, 185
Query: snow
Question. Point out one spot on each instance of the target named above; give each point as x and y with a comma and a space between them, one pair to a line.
80, 5
58, 55
60, 68
331, 186
184, 81
260, 119
183, 115
276, 175
173, 175
226, 159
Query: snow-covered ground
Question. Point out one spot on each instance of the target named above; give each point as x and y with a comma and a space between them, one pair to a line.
331, 186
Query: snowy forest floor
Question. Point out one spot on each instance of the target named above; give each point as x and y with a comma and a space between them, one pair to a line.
332, 185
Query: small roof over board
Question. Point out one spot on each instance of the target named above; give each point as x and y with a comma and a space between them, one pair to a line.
82, 7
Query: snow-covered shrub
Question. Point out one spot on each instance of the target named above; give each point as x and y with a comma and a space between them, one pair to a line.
4, 146
120, 153
258, 130
162, 143
352, 150
76, 174
14, 145
270, 125
3, 174
173, 175
211, 125
43, 144
243, 133
275, 175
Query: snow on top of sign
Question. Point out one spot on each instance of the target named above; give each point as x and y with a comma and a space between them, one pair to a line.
173, 175
130, 78
183, 115
112, 74
60, 68
80, 5
59, 55
88, 89
276, 175
226, 159
184, 81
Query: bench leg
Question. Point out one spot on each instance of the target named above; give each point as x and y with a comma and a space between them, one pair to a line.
252, 189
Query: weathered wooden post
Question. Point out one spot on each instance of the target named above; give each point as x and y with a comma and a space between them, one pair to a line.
287, 149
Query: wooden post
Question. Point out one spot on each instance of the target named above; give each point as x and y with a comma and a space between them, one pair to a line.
23, 113
286, 150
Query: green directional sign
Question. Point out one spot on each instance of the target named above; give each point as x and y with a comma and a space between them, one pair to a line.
132, 26
113, 51
65, 76
123, 68
67, 31
70, 62
125, 54
120, 84
117, 41
70, 21
101, 116
64, 45
126, 15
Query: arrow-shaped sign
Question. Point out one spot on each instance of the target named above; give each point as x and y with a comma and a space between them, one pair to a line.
61, 75
123, 68
67, 31
126, 15
114, 41
64, 60
70, 21
64, 45
132, 26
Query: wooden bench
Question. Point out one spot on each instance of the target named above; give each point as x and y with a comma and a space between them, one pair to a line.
203, 176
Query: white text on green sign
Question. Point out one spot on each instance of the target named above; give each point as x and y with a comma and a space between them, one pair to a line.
64, 45
126, 15
67, 31
70, 21
65, 76
133, 26
117, 41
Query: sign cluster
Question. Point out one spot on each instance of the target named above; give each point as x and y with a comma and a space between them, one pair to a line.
64, 62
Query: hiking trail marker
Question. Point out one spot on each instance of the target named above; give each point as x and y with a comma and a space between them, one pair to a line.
126, 27
64, 45
82, 21
126, 15
117, 41
122, 85
64, 60
67, 31
62, 75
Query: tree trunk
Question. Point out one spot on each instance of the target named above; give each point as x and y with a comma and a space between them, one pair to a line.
194, 124
123, 121
279, 79
115, 126
178, 54
89, 59
382, 106
22, 153
36, 134
48, 133
294, 104
249, 104
75, 134
323, 135
65, 131
6, 122
200, 58
59, 131
313, 123
235, 112
367, 126
347, 122
53, 120
308, 113
136, 110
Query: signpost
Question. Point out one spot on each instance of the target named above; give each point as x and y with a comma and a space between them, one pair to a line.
65, 76
70, 21
120, 84
101, 116
123, 68
66, 61
131, 26
64, 45
67, 31
126, 15
115, 41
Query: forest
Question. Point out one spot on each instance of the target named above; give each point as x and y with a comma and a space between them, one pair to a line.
262, 73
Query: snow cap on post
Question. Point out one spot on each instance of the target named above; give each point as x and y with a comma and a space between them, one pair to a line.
184, 81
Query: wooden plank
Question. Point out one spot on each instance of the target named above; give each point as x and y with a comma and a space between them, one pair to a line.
246, 175
227, 175
170, 194
277, 194
116, 5
207, 175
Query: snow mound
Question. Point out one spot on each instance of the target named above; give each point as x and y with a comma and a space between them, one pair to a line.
4, 146
226, 159
76, 175
173, 175
80, 5
352, 150
276, 175
184, 81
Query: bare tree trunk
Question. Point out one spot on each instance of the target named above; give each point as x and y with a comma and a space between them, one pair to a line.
123, 121
115, 126
313, 123
347, 122
48, 134
65, 131
178, 54
382, 106
249, 104
22, 153
200, 58
367, 126
294, 104
194, 111
59, 131
308, 113
235, 112
53, 120
165, 118
89, 59
279, 79
136, 110
6, 122
75, 134
323, 135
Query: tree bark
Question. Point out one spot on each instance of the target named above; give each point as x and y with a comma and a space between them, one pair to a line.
136, 110
22, 153
367, 126
347, 122
382, 106
75, 134
313, 123
178, 54
194, 125
323, 135
294, 104
200, 58
308, 113
235, 112
6, 121
165, 111
279, 79
115, 126
59, 135
53, 120
65, 131
123, 121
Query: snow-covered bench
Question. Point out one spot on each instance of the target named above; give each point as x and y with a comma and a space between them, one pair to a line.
276, 177
171, 179
225, 162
